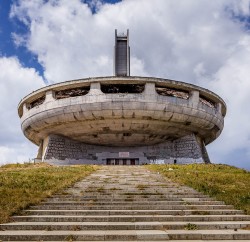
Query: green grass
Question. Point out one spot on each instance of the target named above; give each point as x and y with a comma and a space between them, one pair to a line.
225, 183
190, 226
28, 184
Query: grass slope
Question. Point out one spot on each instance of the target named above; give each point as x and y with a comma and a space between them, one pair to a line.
225, 183
27, 184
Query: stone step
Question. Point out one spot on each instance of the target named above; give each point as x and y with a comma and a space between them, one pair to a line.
121, 196
119, 191
146, 235
135, 212
138, 193
79, 226
126, 184
159, 241
113, 199
132, 207
91, 235
127, 218
129, 201
225, 235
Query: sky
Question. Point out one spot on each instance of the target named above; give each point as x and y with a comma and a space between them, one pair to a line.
203, 42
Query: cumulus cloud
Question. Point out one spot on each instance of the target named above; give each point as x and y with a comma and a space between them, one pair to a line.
15, 82
201, 42
167, 36
232, 81
23, 152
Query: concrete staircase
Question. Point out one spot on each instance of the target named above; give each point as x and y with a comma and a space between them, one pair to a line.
128, 203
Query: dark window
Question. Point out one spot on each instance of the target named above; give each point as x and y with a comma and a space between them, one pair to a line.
207, 102
122, 88
166, 91
37, 102
81, 91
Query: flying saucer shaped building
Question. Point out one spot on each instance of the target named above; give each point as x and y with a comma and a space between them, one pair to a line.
122, 119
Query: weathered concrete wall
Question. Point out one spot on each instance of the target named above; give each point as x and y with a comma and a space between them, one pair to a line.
61, 150
104, 118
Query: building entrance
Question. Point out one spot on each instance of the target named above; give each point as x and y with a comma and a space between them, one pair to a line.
124, 162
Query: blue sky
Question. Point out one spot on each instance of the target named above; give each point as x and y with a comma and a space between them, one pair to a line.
11, 25
206, 43
7, 46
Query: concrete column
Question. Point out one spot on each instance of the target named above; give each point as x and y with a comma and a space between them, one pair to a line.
25, 108
149, 91
50, 96
218, 108
205, 156
95, 88
194, 97
40, 151
45, 144
150, 88
95, 85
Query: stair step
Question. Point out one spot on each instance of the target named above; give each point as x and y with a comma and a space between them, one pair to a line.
136, 212
146, 235
140, 196
131, 207
155, 241
209, 235
41, 235
127, 218
75, 226
128, 202
141, 199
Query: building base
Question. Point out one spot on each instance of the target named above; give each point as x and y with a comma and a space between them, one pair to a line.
59, 150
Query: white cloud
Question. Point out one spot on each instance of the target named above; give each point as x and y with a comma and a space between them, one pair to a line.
19, 40
189, 40
23, 152
15, 82
232, 81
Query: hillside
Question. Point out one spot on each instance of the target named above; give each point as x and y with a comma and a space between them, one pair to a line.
225, 183
25, 185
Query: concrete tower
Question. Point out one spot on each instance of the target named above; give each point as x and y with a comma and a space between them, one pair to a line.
121, 55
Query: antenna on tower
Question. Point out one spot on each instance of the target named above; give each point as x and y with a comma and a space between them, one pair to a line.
122, 54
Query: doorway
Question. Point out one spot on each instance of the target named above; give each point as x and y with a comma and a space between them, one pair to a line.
123, 162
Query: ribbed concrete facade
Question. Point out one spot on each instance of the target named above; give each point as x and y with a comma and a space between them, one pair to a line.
122, 120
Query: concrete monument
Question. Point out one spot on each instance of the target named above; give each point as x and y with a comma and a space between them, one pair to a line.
122, 119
